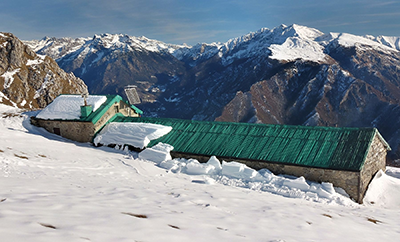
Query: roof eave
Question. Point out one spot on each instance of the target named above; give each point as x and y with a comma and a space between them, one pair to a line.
380, 137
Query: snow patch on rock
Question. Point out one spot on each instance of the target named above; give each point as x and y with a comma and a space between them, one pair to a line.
9, 77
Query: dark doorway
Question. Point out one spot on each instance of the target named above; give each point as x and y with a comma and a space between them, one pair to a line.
57, 131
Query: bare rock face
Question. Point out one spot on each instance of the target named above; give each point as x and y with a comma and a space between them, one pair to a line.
31, 81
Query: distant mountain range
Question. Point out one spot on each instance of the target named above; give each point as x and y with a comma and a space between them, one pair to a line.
287, 75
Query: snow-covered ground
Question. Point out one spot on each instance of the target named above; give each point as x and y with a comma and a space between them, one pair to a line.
53, 189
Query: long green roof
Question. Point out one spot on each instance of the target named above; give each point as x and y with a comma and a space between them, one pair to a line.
320, 147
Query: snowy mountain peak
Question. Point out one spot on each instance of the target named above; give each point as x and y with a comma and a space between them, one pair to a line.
56, 47
383, 43
283, 42
295, 40
305, 32
60, 47
390, 41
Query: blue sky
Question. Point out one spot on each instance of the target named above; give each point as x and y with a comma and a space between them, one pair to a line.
191, 22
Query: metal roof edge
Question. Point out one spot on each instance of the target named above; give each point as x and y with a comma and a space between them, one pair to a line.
95, 116
386, 144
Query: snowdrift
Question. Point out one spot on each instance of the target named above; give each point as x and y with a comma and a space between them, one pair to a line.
137, 135
237, 174
384, 190
54, 189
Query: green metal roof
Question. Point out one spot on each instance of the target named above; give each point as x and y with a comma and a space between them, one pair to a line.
96, 115
321, 147
111, 100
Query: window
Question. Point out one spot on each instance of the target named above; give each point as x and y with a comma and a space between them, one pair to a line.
116, 108
57, 131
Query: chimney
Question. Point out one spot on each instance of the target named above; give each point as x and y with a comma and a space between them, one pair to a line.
86, 111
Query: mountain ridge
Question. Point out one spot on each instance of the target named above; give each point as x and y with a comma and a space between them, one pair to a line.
294, 30
288, 75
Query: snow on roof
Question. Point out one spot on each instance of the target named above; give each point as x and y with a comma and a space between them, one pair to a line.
68, 107
136, 134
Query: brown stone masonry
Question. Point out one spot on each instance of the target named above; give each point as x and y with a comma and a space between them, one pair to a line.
353, 182
375, 161
74, 130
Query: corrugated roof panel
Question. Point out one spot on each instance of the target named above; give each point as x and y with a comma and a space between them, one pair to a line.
323, 147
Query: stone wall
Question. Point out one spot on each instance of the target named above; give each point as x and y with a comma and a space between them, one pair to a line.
126, 110
83, 131
104, 119
348, 180
375, 161
354, 183
118, 107
78, 131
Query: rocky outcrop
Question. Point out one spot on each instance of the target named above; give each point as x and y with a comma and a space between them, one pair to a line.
31, 81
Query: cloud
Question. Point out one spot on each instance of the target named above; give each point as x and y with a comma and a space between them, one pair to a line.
381, 4
178, 21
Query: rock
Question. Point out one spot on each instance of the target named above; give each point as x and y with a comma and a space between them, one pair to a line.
30, 81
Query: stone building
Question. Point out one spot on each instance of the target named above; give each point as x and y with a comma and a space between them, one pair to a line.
79, 119
346, 157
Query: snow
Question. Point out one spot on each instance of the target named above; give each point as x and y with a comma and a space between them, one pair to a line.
384, 191
237, 174
9, 77
393, 42
285, 43
137, 135
58, 48
36, 61
349, 40
297, 48
158, 154
68, 106
54, 189
99, 56
48, 80
5, 97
